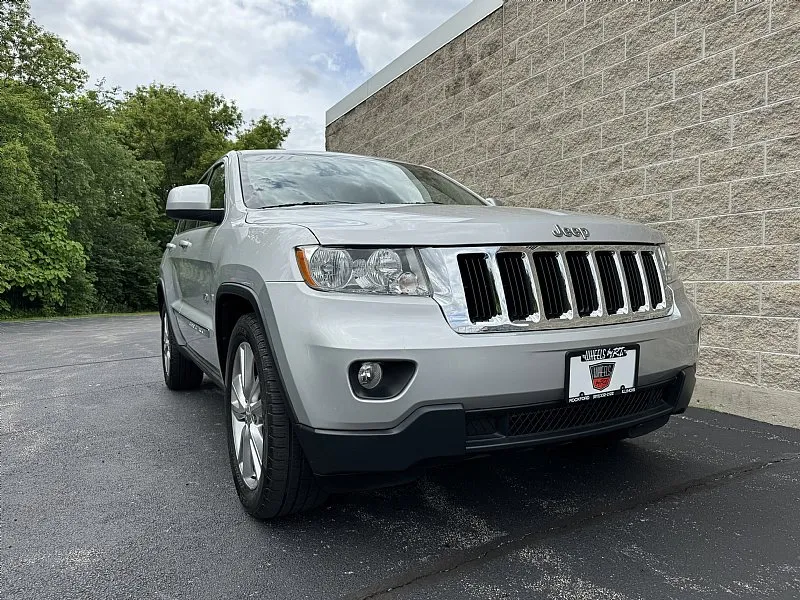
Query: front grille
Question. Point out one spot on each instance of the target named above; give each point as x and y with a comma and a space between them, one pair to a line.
514, 288
552, 420
478, 287
516, 285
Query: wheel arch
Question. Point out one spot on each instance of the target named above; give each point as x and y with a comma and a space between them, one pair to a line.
232, 302
236, 296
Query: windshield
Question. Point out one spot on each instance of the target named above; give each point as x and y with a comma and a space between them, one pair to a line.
270, 180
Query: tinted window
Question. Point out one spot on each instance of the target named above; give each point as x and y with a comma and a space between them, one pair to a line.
280, 179
217, 185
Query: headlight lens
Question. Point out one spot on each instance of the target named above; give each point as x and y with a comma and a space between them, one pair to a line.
331, 268
670, 273
363, 270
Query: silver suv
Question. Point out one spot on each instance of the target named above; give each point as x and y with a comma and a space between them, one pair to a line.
369, 317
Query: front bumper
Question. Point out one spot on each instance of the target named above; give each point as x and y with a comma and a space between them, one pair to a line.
316, 336
449, 432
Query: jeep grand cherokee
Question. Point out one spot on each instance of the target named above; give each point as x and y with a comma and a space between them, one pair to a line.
367, 317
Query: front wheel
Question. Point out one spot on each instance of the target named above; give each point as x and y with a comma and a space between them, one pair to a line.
270, 471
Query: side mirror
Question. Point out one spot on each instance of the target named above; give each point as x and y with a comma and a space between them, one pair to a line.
193, 202
491, 202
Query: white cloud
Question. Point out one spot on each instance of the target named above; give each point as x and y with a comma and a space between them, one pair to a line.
289, 58
381, 31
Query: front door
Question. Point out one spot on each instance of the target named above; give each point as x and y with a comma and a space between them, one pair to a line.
194, 267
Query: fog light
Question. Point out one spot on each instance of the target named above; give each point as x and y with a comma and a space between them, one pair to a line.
370, 375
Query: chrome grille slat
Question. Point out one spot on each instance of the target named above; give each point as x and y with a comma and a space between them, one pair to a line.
478, 291
598, 290
643, 280
633, 281
551, 276
583, 282
518, 288
653, 278
611, 282
569, 312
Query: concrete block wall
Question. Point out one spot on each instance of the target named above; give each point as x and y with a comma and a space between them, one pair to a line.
682, 115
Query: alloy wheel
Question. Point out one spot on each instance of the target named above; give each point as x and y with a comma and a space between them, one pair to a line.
247, 419
166, 349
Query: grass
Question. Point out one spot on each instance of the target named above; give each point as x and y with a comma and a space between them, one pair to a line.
18, 318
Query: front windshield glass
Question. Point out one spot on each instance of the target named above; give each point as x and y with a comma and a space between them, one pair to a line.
271, 180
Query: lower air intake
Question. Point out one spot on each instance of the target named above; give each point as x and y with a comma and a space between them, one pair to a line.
548, 420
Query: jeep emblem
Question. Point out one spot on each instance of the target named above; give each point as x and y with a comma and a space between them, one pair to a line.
580, 232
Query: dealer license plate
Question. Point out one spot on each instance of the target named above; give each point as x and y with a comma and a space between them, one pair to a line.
600, 372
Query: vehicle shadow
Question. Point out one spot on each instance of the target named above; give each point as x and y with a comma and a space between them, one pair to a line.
489, 495
485, 498
451, 513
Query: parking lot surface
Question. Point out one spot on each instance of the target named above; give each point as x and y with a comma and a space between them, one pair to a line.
114, 487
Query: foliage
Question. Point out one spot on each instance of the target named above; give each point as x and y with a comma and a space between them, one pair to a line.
37, 255
84, 174
35, 57
263, 133
186, 134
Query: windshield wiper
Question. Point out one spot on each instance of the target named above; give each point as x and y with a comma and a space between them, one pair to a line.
306, 204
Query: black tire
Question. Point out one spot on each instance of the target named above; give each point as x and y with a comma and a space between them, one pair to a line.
287, 485
180, 373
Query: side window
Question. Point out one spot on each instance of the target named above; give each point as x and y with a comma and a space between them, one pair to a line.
217, 185
185, 225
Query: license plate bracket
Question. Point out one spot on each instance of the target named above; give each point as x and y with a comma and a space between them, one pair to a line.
601, 372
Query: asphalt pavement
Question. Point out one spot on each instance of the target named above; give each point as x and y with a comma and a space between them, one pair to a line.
114, 487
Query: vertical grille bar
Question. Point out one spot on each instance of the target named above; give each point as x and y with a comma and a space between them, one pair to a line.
478, 287
647, 304
633, 279
516, 285
653, 279
582, 283
610, 281
554, 292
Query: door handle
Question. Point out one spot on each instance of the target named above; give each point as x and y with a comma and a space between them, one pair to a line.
170, 246
185, 244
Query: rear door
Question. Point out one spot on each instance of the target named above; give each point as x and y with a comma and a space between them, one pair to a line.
194, 270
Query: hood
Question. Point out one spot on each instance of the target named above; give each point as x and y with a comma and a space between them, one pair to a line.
445, 225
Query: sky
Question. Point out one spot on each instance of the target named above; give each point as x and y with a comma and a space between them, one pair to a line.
284, 58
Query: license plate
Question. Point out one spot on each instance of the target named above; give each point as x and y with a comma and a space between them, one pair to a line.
601, 372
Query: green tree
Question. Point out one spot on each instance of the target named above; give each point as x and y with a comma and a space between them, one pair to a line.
36, 255
84, 174
35, 57
186, 134
183, 133
26, 119
119, 223
264, 133
37, 73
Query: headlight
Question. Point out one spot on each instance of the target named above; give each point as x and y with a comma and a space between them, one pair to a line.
363, 270
670, 273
